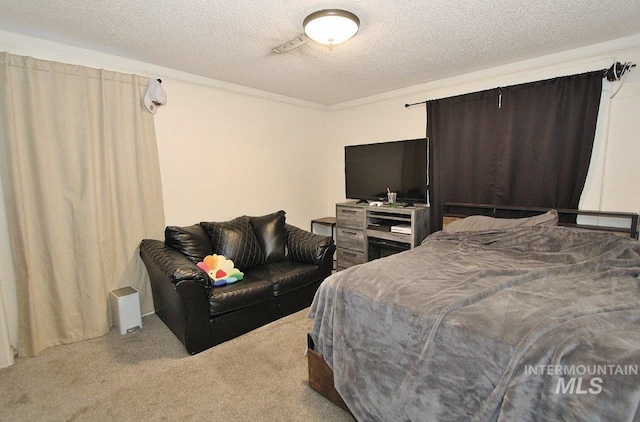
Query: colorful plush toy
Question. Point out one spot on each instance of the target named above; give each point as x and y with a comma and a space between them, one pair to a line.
220, 269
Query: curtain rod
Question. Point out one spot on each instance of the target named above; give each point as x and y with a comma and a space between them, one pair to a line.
614, 73
414, 104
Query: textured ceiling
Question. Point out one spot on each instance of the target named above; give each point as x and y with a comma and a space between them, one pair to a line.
400, 43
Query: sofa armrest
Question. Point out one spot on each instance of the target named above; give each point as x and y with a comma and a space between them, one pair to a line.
308, 247
180, 294
195, 323
173, 264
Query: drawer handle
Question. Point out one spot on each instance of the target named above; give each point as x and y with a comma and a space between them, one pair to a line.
348, 211
350, 254
349, 233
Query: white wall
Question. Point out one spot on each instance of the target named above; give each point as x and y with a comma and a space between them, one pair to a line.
614, 176
224, 154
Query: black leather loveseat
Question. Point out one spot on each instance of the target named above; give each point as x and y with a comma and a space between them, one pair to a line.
283, 267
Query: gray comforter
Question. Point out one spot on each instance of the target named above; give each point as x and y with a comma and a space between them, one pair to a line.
519, 324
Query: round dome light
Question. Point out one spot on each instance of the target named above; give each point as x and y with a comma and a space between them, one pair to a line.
331, 26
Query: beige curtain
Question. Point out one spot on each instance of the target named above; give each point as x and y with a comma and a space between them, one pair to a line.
81, 178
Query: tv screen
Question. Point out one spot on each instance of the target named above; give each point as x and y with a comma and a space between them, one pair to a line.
400, 166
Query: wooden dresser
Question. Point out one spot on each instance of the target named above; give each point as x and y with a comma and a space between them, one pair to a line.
357, 224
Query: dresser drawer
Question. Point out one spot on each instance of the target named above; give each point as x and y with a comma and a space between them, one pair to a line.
350, 217
348, 258
350, 239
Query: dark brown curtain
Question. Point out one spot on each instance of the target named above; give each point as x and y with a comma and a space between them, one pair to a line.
527, 145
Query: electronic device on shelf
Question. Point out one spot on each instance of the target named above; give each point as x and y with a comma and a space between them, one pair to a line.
376, 203
400, 166
401, 228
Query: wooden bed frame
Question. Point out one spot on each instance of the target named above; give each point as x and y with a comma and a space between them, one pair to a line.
321, 376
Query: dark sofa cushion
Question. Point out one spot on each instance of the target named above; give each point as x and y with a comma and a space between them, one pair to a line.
272, 235
285, 275
239, 295
236, 241
191, 241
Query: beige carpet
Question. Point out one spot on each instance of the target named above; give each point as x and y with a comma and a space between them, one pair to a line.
261, 376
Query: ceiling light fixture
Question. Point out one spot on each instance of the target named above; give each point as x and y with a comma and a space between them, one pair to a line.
331, 27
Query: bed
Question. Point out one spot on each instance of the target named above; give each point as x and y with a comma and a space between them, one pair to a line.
525, 322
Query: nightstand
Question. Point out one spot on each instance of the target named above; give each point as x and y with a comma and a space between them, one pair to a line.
325, 221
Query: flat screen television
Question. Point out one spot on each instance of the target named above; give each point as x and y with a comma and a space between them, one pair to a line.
400, 166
